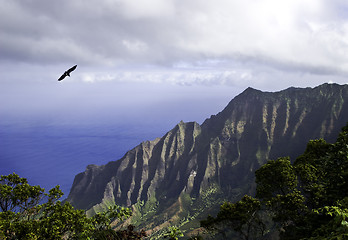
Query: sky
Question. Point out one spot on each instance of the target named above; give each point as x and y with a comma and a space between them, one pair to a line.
266, 44
154, 51
155, 61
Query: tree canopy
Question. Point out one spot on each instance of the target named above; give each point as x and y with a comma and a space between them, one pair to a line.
27, 212
307, 199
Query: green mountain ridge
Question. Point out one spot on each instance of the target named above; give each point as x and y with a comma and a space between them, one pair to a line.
186, 174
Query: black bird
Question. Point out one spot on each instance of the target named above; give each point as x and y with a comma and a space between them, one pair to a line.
67, 73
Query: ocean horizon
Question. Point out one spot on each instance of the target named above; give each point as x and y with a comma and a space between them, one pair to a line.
51, 136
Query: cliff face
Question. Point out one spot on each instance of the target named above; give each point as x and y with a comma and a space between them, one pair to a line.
193, 163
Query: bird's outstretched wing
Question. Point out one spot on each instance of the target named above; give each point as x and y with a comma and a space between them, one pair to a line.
71, 69
62, 77
67, 73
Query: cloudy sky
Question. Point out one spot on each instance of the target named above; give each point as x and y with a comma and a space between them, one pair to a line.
157, 62
156, 50
267, 44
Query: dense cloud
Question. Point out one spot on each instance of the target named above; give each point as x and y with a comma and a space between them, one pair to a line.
185, 38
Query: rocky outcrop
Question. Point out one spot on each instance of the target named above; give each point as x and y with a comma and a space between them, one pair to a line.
221, 154
152, 165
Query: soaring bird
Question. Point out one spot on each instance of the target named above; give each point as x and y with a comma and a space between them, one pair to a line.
67, 73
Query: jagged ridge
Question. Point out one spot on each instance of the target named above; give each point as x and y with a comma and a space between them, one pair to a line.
222, 153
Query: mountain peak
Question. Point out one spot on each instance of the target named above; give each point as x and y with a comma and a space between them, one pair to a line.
250, 91
193, 167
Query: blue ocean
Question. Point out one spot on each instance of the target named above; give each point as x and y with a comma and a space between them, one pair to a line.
50, 155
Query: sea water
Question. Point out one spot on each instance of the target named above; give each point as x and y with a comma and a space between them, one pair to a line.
50, 155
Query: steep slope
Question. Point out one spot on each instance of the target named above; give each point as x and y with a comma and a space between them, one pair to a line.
194, 167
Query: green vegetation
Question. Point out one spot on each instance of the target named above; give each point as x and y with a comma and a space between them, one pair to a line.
243, 217
180, 178
304, 200
27, 212
173, 233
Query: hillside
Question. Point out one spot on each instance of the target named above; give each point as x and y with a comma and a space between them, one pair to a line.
193, 168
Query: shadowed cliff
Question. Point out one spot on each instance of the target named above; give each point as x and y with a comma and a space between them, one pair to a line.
193, 167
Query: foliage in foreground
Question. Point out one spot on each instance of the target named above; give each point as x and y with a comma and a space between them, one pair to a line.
304, 200
307, 199
173, 233
27, 212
